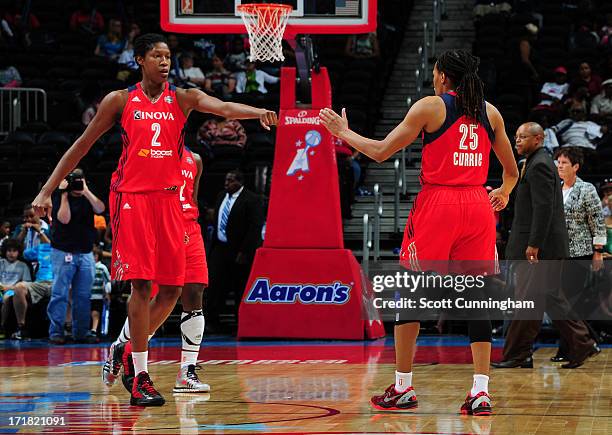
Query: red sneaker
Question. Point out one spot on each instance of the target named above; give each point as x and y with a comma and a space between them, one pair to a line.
480, 404
391, 400
144, 393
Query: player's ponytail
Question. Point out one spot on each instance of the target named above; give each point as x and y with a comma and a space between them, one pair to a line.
462, 69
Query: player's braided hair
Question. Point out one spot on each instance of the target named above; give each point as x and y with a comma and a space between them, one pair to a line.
462, 69
146, 42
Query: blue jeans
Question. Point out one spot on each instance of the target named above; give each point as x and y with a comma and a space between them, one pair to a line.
77, 274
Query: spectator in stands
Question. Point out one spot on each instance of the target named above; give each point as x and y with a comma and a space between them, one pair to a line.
219, 81
100, 290
26, 293
205, 48
221, 131
587, 79
585, 228
128, 67
5, 231
601, 106
113, 43
553, 93
87, 19
577, 131
19, 22
253, 80
584, 37
362, 46
12, 271
9, 76
527, 53
189, 76
238, 221
236, 60
33, 231
90, 97
73, 236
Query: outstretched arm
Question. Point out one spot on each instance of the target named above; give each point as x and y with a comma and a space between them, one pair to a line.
380, 150
195, 99
110, 106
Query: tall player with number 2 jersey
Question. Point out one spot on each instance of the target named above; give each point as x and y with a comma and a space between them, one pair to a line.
146, 214
452, 217
196, 278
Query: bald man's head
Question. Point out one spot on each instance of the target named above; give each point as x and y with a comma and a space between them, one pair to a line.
529, 137
534, 128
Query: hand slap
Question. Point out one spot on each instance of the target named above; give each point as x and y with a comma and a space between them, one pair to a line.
267, 119
334, 122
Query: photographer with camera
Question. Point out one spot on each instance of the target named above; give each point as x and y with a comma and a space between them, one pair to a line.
72, 238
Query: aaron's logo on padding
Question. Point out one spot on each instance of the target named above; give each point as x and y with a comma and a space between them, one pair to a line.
334, 293
312, 139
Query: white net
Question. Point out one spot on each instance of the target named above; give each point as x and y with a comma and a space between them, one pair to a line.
265, 24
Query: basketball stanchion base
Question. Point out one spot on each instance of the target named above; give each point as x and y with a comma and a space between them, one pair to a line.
307, 293
303, 283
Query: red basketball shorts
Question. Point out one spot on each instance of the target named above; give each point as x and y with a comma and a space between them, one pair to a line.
450, 229
196, 269
148, 237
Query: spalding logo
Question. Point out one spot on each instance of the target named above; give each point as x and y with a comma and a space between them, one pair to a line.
335, 293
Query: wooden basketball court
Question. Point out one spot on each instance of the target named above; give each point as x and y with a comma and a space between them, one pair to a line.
298, 387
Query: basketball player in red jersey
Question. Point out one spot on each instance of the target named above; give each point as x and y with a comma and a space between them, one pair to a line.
196, 279
452, 217
145, 209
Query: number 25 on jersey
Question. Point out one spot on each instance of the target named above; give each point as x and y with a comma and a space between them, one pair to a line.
470, 129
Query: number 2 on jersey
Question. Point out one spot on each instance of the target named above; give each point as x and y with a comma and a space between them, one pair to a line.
157, 130
473, 143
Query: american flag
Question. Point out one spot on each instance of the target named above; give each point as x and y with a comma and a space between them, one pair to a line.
347, 7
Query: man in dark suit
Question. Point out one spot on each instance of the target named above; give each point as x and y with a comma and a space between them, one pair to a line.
238, 220
539, 233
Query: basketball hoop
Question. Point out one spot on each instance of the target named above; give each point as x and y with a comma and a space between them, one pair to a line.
265, 23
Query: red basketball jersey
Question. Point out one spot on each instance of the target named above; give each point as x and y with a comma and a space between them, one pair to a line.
153, 138
458, 153
189, 171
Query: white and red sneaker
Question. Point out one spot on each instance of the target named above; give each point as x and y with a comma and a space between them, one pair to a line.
391, 400
480, 404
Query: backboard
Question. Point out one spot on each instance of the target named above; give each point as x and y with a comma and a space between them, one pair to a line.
308, 16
